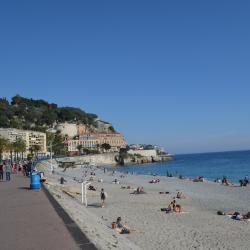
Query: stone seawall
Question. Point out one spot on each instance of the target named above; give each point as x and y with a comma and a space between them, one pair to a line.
111, 159
98, 159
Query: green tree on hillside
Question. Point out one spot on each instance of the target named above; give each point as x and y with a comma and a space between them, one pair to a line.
33, 114
57, 142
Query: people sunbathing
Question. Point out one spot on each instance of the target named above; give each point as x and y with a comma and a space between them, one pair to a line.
199, 179
180, 195
120, 228
169, 209
139, 190
91, 188
236, 215
173, 207
244, 182
155, 181
225, 181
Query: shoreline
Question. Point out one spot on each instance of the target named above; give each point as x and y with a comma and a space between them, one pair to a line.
189, 178
199, 227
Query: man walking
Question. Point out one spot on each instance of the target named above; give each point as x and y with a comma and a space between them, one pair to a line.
7, 171
1, 171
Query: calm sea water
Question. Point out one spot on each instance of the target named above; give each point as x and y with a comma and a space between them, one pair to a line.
235, 165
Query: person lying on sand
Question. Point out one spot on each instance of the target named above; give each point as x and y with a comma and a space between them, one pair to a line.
199, 179
180, 195
169, 209
236, 215
173, 207
120, 228
139, 190
91, 188
155, 181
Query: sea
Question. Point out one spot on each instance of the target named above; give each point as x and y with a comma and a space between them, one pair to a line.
235, 165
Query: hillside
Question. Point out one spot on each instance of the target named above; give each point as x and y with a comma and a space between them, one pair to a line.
39, 115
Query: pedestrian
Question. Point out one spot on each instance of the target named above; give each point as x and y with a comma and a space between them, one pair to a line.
103, 197
28, 168
24, 169
7, 171
62, 180
1, 171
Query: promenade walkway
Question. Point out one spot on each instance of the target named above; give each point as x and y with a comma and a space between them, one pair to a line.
33, 220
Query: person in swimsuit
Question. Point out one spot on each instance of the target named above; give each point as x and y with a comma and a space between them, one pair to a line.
103, 197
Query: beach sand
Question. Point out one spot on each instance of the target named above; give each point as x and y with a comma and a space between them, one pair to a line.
199, 227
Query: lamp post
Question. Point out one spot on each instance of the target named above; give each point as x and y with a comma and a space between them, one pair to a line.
51, 165
84, 186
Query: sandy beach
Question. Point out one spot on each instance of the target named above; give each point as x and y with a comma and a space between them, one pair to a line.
199, 227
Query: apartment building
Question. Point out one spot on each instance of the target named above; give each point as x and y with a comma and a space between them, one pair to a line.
30, 138
93, 140
115, 140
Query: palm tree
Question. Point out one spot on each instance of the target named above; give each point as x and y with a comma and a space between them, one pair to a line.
20, 146
36, 148
3, 146
11, 149
14, 146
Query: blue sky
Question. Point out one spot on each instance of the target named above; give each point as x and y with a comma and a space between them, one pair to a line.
175, 73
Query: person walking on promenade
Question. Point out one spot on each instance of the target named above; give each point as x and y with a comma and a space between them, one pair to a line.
103, 197
28, 168
1, 171
7, 170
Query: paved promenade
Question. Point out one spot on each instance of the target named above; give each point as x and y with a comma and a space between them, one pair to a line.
32, 219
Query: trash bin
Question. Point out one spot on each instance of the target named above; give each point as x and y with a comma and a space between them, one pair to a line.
35, 181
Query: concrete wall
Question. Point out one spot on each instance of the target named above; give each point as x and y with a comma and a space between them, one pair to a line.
99, 159
146, 153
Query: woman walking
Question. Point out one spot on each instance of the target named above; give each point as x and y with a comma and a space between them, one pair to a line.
103, 197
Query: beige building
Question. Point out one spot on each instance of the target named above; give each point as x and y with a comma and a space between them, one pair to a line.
93, 140
30, 138
70, 129
115, 140
103, 126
